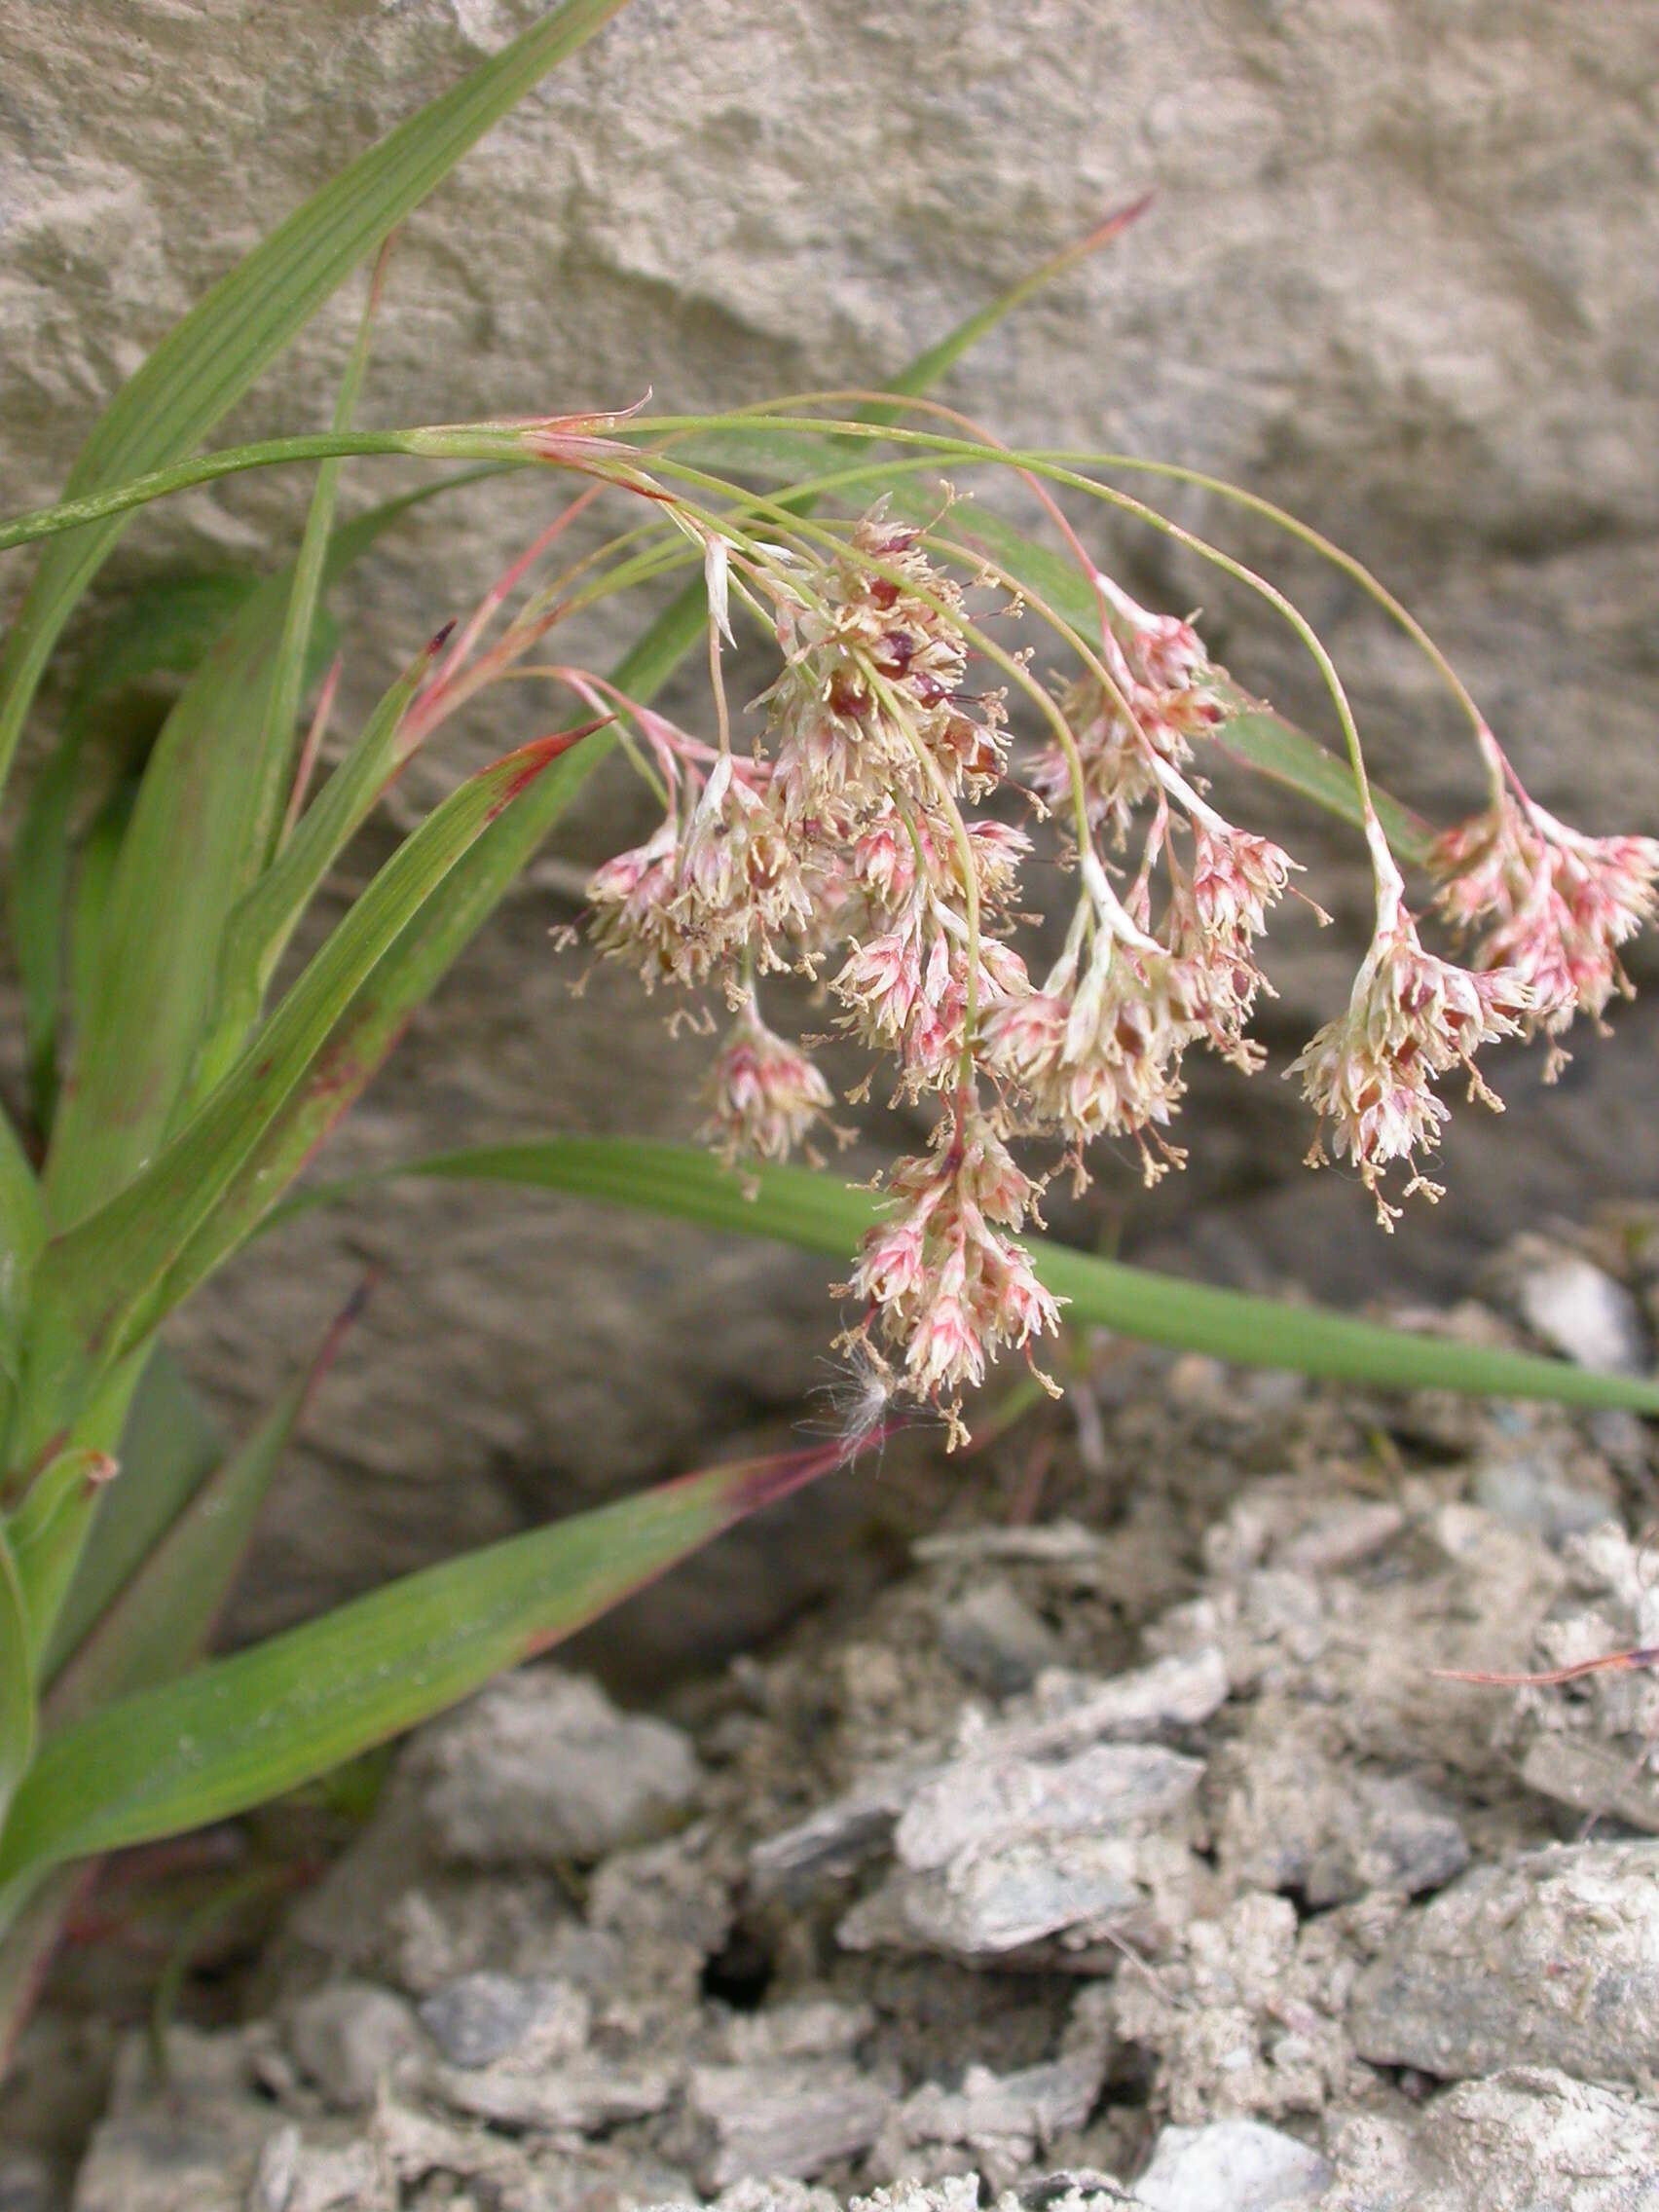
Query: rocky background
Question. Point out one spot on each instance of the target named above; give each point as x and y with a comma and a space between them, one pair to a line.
1397, 273
1129, 1848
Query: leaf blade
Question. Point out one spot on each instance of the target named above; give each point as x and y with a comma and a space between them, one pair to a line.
801, 1206
268, 1718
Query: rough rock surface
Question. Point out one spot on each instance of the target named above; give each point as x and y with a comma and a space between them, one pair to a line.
1237, 1902
1463, 390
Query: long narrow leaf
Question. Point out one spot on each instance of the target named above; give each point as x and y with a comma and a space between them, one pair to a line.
800, 1206
263, 921
94, 1286
210, 358
244, 1729
182, 865
160, 1621
17, 1680
274, 752
168, 1448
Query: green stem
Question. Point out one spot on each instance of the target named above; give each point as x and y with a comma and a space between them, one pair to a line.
481, 442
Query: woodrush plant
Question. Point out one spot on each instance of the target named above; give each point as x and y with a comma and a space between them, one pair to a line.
839, 829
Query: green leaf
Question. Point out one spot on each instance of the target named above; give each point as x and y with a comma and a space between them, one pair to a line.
274, 751
269, 1718
208, 360
45, 1532
95, 1294
160, 629
798, 1206
23, 1232
261, 924
160, 1622
168, 1448
190, 851
17, 1680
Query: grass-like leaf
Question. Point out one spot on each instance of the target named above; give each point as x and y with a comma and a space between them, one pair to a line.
168, 1449
244, 1729
802, 1206
16, 1679
94, 1288
161, 629
207, 361
160, 1621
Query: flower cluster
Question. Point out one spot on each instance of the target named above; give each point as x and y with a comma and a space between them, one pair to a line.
1412, 1019
848, 847
937, 1281
1548, 902
764, 1095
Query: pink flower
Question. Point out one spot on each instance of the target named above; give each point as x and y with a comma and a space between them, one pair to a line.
939, 1280
1412, 1019
1549, 903
630, 900
764, 1095
739, 882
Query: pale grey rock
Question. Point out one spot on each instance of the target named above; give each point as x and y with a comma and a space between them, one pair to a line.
1292, 1815
294, 2176
1550, 1961
541, 1767
582, 2095
1576, 1306
1238, 2164
1054, 1544
996, 1638
986, 1905
988, 1804
1464, 392
1527, 2138
1065, 1714
1530, 1491
1004, 2123
485, 2017
792, 2117
1243, 2017
1593, 1743
348, 2037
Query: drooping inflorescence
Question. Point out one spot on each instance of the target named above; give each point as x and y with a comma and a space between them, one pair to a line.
849, 841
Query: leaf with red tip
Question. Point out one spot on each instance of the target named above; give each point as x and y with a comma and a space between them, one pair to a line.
266, 1719
95, 1290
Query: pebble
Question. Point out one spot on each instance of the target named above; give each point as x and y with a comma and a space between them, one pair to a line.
481, 2017
348, 2037
1552, 1960
542, 1769
1232, 2165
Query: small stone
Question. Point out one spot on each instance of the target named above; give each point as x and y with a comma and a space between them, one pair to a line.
1552, 1960
580, 2095
1235, 2165
1574, 1306
981, 1805
996, 1638
348, 2037
790, 2119
1289, 1816
541, 1768
484, 2017
984, 1905
1533, 1492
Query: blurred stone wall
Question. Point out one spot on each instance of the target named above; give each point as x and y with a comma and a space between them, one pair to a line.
1398, 273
